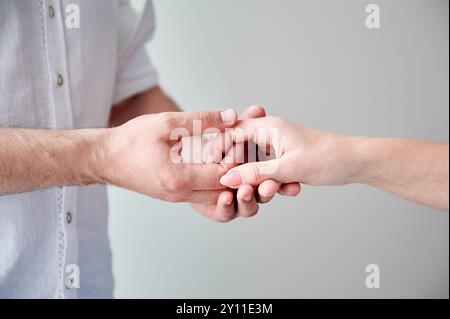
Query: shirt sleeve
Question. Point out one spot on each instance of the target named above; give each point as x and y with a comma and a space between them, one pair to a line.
135, 72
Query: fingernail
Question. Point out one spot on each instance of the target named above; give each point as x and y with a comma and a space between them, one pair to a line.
228, 116
229, 202
231, 179
248, 197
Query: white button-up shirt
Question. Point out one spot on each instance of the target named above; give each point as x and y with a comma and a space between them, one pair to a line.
63, 64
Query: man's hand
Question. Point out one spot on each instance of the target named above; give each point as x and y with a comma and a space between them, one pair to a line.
138, 155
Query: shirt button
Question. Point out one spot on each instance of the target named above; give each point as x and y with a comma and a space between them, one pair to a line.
68, 217
70, 283
60, 80
51, 11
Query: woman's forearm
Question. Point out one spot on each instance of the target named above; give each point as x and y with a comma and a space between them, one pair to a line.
415, 170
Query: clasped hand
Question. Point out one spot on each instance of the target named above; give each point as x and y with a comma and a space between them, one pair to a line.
139, 157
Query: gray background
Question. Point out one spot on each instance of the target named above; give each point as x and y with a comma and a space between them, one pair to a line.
314, 62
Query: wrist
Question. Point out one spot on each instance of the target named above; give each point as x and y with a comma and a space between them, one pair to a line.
364, 157
91, 155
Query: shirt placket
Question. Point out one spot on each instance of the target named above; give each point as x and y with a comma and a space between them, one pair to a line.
68, 273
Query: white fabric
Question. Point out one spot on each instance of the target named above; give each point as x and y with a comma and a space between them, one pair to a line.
102, 62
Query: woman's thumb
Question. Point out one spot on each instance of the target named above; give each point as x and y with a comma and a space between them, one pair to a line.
250, 173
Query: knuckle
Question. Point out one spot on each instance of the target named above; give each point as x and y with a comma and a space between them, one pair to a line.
264, 199
169, 197
165, 121
274, 120
177, 185
206, 119
250, 213
173, 186
254, 174
176, 198
224, 217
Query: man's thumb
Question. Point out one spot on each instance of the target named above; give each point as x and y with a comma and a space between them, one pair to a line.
250, 173
207, 119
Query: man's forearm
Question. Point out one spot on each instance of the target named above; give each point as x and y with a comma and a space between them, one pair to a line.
415, 170
35, 158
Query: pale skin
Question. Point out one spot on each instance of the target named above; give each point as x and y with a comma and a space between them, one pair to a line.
134, 154
32, 159
415, 170
229, 205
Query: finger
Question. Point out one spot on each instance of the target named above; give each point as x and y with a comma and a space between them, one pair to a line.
225, 210
236, 155
252, 173
204, 148
213, 151
247, 205
261, 131
220, 144
221, 211
266, 190
196, 122
290, 189
253, 111
204, 176
233, 157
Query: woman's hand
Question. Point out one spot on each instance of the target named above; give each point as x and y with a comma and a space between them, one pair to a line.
411, 169
302, 154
